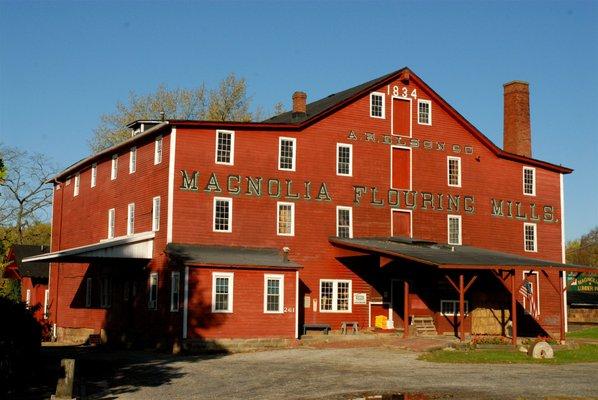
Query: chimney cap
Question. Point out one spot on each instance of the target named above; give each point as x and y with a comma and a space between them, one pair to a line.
516, 82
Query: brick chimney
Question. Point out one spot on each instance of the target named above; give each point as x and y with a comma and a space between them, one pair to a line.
299, 105
517, 135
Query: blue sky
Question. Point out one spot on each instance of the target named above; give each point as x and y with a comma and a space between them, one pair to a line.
63, 64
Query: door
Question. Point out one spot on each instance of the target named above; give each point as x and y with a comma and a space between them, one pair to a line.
401, 117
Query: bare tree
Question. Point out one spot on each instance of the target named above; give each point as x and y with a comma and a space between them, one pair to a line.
25, 198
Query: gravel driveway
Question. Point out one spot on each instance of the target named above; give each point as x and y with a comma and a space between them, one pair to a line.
337, 373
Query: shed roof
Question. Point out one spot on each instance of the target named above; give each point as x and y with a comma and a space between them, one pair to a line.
193, 254
34, 269
447, 256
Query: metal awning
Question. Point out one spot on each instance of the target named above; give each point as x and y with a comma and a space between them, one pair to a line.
137, 246
449, 256
230, 256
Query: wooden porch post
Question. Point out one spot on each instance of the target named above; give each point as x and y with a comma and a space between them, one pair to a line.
513, 308
562, 301
462, 307
406, 310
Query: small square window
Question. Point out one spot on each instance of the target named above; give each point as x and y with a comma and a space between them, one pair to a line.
287, 154
377, 105
424, 112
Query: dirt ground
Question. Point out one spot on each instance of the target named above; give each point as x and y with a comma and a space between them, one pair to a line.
322, 373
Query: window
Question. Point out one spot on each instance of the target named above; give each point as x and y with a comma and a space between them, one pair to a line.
175, 278
156, 214
335, 295
131, 219
451, 307
454, 229
344, 222
285, 220
77, 184
529, 181
114, 170
88, 292
223, 214
454, 171
530, 290
152, 304
46, 303
377, 105
111, 218
106, 293
344, 159
158, 150
222, 292
28, 298
94, 174
286, 154
424, 112
132, 160
529, 237
273, 293
225, 147
126, 290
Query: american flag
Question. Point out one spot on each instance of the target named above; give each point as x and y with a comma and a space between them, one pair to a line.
527, 290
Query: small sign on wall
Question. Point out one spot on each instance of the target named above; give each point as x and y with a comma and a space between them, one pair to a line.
306, 301
360, 298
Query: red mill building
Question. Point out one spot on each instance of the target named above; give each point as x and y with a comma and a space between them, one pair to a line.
378, 200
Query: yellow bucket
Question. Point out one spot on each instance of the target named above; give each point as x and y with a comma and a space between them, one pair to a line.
381, 321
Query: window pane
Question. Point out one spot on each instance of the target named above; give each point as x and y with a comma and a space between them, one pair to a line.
342, 299
221, 302
344, 160
286, 154
221, 217
273, 295
344, 223
285, 219
223, 153
424, 113
454, 229
453, 171
530, 237
376, 105
326, 291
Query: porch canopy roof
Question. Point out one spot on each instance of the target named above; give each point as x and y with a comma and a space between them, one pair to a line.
137, 246
229, 256
449, 256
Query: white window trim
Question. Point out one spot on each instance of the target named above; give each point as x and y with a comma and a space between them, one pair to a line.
533, 193
535, 226
158, 144
94, 175
46, 303
111, 223
282, 203
350, 147
131, 219
455, 307
156, 213
448, 229
28, 298
114, 167
294, 140
232, 148
77, 185
88, 289
280, 278
174, 307
429, 103
132, 160
350, 220
152, 304
231, 277
536, 287
392, 215
448, 176
335, 283
230, 214
383, 105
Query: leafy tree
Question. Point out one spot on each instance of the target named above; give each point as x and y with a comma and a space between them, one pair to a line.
227, 102
584, 251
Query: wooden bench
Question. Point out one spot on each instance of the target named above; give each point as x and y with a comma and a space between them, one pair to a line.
346, 324
324, 327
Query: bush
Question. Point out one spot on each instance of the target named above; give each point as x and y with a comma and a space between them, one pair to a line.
483, 339
20, 343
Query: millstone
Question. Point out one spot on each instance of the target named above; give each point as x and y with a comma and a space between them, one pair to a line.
540, 350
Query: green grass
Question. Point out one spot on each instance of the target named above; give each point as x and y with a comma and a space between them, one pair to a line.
588, 333
585, 353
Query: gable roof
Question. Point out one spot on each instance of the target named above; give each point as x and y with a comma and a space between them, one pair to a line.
35, 269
